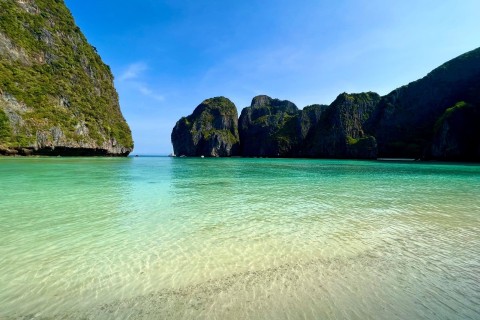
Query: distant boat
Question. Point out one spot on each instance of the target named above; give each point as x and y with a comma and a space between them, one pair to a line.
183, 156
202, 156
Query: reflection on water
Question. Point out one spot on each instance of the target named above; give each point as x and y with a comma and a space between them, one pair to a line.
151, 238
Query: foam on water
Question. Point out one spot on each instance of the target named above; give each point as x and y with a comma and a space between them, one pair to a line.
151, 238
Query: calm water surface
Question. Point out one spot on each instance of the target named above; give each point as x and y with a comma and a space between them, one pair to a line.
169, 238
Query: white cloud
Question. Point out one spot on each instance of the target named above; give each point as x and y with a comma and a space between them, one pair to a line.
133, 71
146, 91
133, 77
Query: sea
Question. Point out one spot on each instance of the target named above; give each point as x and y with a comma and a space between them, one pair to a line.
238, 238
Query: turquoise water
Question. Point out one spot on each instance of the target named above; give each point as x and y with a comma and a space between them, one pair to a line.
170, 238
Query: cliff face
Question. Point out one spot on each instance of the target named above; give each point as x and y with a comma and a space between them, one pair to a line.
436, 117
404, 122
269, 128
340, 131
309, 117
457, 133
211, 130
56, 95
276, 128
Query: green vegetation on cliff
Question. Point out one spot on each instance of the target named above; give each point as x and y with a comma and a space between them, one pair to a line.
406, 119
457, 133
340, 131
5, 130
436, 117
211, 130
52, 80
270, 128
449, 113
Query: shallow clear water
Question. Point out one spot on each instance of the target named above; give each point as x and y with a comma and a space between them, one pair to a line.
153, 238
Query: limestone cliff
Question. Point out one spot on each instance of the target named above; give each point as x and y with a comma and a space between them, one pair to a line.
309, 117
56, 95
211, 130
269, 128
404, 122
457, 133
436, 117
339, 133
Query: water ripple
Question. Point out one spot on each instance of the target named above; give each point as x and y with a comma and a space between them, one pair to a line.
151, 238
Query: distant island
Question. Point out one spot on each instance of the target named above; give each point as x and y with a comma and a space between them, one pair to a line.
56, 95
434, 118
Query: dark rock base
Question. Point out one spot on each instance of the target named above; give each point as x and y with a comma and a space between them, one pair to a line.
61, 151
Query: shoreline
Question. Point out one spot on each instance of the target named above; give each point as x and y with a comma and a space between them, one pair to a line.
62, 152
102, 153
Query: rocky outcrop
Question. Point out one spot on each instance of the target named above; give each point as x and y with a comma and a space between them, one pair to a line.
211, 130
56, 95
340, 131
457, 133
269, 128
277, 128
404, 121
436, 117
309, 117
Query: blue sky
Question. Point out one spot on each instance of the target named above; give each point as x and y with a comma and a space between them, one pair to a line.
167, 56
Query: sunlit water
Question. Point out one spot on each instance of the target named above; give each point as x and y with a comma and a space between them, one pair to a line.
167, 238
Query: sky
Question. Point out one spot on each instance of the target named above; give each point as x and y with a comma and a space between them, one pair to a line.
167, 56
